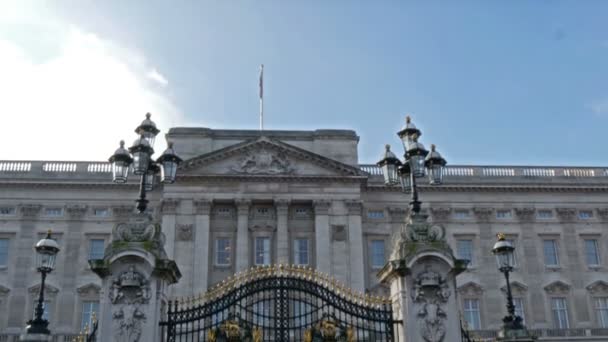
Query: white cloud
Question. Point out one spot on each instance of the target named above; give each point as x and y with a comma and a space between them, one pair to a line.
78, 101
600, 107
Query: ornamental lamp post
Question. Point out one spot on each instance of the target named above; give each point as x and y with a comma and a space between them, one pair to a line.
418, 162
138, 159
505, 260
46, 252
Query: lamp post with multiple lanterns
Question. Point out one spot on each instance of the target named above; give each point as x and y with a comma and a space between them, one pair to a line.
138, 159
418, 162
46, 253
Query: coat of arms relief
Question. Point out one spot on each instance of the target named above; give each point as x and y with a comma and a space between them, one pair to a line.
263, 161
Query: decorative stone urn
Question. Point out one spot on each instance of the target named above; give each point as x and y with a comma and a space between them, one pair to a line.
135, 273
421, 274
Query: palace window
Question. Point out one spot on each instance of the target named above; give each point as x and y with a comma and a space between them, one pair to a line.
89, 310
300, 251
377, 253
53, 212
550, 252
503, 214
585, 214
559, 310
375, 214
544, 214
96, 249
101, 212
262, 251
7, 211
461, 214
464, 248
222, 252
471, 313
3, 252
46, 308
601, 309
592, 254
519, 308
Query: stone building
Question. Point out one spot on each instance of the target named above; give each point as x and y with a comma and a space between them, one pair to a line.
245, 198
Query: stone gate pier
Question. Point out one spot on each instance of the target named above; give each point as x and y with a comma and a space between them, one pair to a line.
421, 274
135, 273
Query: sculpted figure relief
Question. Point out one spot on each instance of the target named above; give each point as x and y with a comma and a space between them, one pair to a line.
264, 162
129, 324
430, 294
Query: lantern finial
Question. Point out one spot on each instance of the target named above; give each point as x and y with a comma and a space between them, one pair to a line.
408, 119
501, 236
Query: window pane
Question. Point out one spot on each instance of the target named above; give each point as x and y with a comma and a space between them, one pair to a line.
465, 250
88, 308
377, 253
96, 249
3, 252
560, 313
45, 306
471, 313
550, 251
519, 308
222, 251
262, 251
591, 252
300, 249
601, 308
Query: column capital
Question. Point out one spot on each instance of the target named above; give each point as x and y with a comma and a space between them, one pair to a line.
566, 214
242, 206
122, 211
603, 213
282, 205
440, 213
30, 210
483, 213
321, 207
398, 214
202, 206
525, 213
76, 210
168, 206
354, 207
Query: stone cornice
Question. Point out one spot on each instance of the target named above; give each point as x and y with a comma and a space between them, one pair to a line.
496, 188
183, 179
354, 207
321, 207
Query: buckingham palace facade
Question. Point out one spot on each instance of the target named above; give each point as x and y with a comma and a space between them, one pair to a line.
246, 198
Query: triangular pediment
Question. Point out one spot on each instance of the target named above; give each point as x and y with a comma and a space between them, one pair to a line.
516, 287
265, 157
471, 289
557, 286
598, 287
89, 288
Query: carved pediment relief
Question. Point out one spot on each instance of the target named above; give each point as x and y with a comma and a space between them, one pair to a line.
89, 289
265, 156
470, 289
48, 290
557, 287
516, 288
598, 287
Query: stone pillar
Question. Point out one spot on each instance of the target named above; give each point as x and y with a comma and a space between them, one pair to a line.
135, 273
202, 208
421, 274
168, 210
322, 236
282, 207
355, 246
242, 235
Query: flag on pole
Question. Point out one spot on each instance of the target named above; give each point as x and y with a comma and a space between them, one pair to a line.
261, 97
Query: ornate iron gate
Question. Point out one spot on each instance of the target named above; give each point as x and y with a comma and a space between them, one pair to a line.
279, 303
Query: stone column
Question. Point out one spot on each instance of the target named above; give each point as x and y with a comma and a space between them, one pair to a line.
202, 208
168, 210
242, 235
135, 273
282, 207
355, 246
421, 274
322, 236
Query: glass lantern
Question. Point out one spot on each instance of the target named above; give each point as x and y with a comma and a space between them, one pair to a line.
148, 130
389, 165
151, 177
141, 152
46, 252
168, 164
121, 160
407, 133
435, 163
405, 177
504, 252
415, 156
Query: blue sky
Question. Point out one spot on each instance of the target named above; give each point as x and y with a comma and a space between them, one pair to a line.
489, 82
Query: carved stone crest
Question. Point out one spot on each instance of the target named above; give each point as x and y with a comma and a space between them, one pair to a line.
140, 227
262, 161
130, 287
129, 321
184, 232
430, 294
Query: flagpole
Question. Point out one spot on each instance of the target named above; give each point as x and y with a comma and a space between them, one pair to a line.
261, 97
